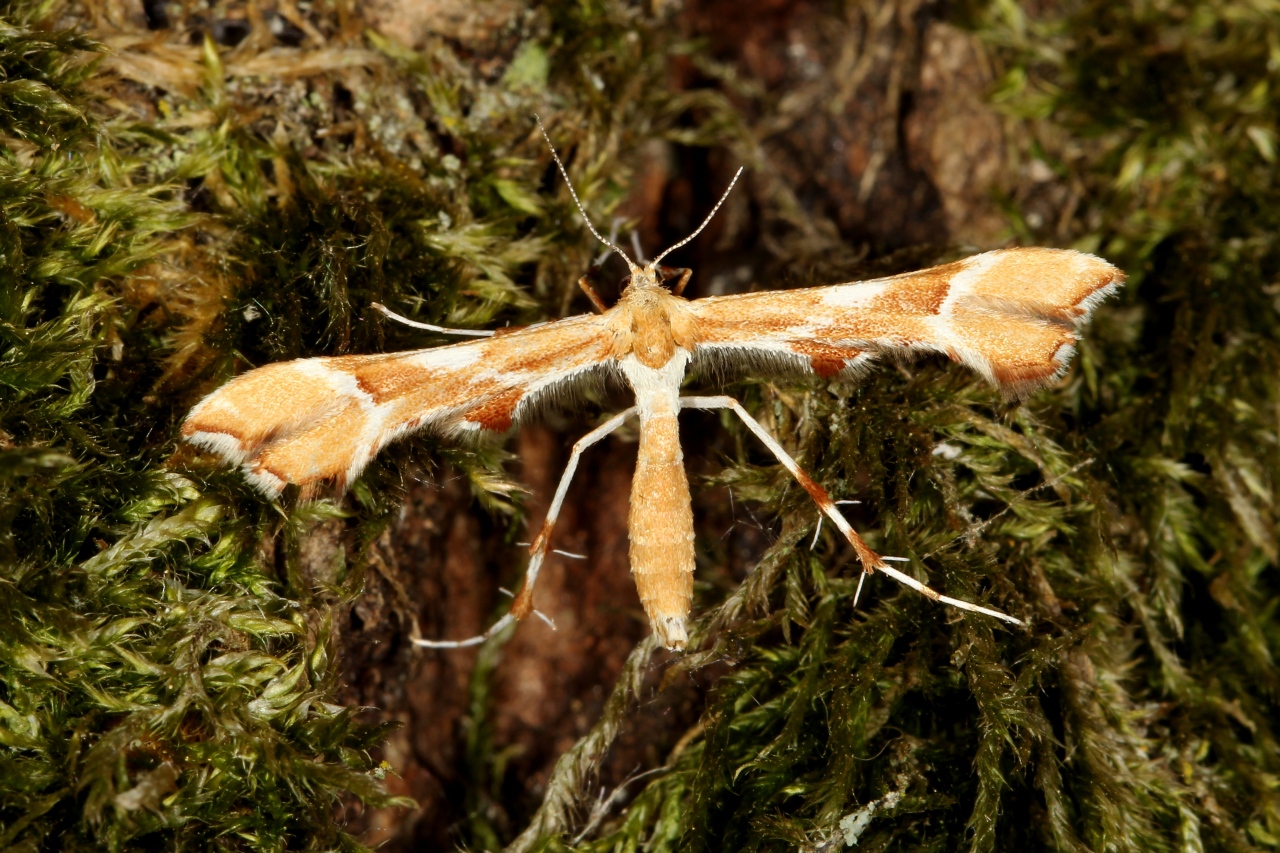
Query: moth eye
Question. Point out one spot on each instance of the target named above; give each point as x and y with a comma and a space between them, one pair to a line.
624, 282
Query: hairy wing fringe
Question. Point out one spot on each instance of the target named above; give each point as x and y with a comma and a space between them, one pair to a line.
719, 363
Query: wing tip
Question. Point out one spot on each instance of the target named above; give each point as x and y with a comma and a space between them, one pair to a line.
1106, 288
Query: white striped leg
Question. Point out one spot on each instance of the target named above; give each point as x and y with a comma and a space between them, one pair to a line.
870, 560
523, 605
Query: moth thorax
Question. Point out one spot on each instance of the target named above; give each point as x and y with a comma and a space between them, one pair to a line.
660, 326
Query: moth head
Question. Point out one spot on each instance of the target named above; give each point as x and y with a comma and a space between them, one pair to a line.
643, 278
651, 276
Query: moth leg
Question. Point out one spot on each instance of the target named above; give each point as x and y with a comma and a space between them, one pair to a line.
585, 284
444, 330
685, 275
523, 605
870, 560
469, 641
618, 222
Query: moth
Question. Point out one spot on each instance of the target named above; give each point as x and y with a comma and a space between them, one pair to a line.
1012, 315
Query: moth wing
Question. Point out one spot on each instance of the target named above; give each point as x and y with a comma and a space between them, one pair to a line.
1012, 315
319, 420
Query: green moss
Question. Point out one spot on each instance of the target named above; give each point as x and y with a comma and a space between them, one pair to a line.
157, 689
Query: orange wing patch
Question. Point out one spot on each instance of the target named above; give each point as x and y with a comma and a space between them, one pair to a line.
825, 360
320, 420
496, 413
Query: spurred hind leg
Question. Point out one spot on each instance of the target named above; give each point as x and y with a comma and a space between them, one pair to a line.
870, 560
523, 604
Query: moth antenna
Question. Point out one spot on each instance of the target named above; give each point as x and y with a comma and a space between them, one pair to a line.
630, 263
653, 264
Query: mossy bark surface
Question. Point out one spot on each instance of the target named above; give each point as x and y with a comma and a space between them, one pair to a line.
189, 190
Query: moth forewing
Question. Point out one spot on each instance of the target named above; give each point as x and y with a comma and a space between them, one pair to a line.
319, 421
1011, 315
